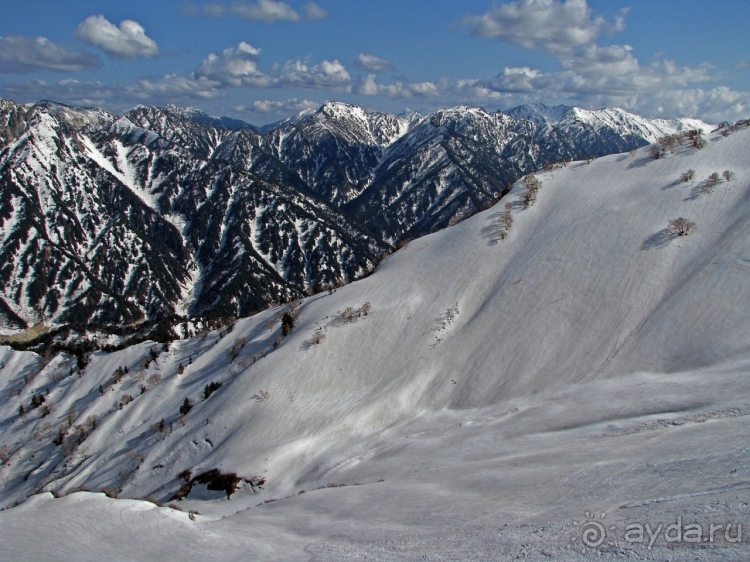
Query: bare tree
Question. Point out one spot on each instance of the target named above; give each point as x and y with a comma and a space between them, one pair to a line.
681, 226
365, 309
687, 176
532, 185
696, 137
710, 183
349, 314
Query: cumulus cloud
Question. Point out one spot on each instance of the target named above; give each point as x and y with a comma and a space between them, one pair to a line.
20, 54
569, 30
557, 27
235, 67
279, 107
238, 66
368, 86
129, 40
426, 89
373, 64
269, 11
328, 74
623, 76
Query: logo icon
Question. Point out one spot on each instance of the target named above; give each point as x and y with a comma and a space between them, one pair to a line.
592, 532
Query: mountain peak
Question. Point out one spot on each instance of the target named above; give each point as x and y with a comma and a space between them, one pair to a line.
539, 113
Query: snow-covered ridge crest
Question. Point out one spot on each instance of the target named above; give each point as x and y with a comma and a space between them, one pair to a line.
614, 119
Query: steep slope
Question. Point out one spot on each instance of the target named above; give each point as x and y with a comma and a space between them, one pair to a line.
449, 166
509, 378
117, 221
335, 149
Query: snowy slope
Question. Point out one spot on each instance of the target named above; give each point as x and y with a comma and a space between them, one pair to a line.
498, 389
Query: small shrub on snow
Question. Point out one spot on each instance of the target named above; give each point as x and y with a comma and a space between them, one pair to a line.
160, 427
532, 185
710, 183
186, 407
365, 309
349, 314
728, 175
696, 138
37, 400
687, 176
73, 440
210, 388
681, 226
287, 323
5, 454
317, 338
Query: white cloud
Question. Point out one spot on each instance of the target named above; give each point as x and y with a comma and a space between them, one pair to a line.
569, 31
426, 89
314, 12
174, 88
373, 64
269, 11
742, 65
265, 10
238, 66
713, 105
282, 107
368, 87
129, 40
328, 74
557, 27
235, 67
518, 79
20, 54
71, 92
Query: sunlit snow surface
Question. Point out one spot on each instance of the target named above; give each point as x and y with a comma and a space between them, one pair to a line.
597, 365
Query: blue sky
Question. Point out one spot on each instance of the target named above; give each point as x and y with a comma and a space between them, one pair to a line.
262, 60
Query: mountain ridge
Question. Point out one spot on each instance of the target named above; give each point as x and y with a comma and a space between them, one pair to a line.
230, 219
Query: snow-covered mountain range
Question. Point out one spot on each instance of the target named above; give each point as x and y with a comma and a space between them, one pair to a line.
118, 219
490, 392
